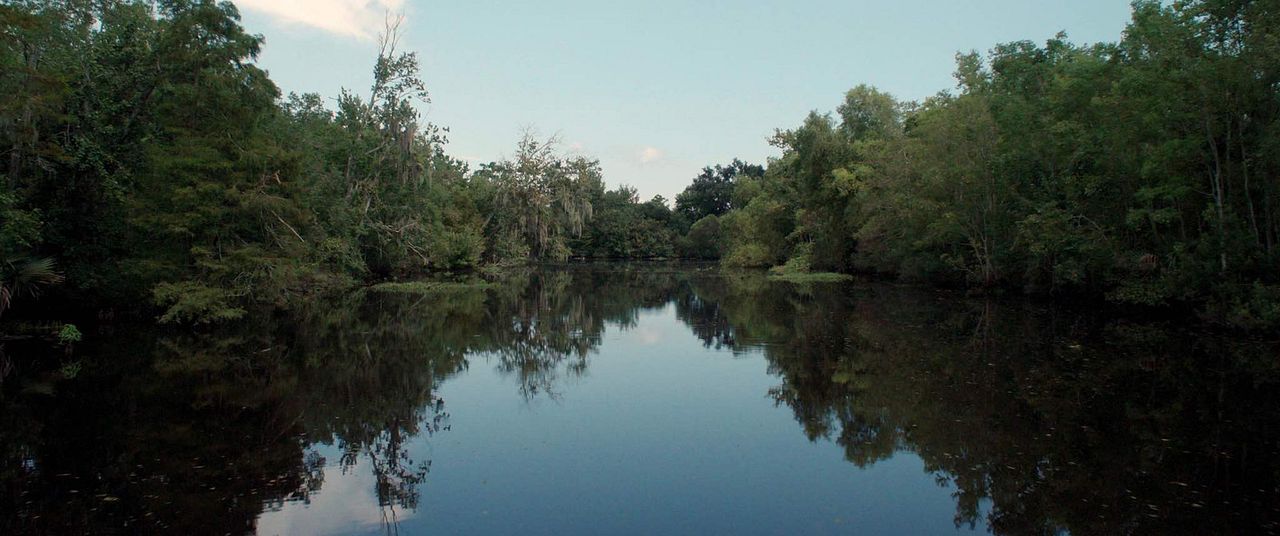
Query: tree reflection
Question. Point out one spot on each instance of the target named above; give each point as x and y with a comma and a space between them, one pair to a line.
198, 432
546, 328
1038, 420
1062, 424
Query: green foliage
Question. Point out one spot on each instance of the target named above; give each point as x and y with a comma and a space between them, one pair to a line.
540, 200
428, 287
705, 239
147, 154
1254, 307
70, 371
808, 277
69, 334
622, 227
711, 193
1143, 171
800, 263
19, 229
508, 248
749, 255
195, 302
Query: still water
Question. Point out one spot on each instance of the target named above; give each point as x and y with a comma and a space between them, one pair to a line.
650, 399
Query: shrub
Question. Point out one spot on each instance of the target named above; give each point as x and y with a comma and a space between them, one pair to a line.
69, 334
749, 255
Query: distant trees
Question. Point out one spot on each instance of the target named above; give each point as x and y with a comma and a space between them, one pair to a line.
711, 193
626, 228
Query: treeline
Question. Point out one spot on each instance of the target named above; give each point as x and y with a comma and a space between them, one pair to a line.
1144, 171
146, 156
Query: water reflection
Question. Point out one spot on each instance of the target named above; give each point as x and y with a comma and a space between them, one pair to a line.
1063, 423
1037, 420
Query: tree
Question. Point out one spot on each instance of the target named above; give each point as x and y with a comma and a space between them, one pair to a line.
540, 199
705, 239
711, 192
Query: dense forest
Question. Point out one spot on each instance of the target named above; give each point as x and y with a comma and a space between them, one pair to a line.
148, 158
1143, 171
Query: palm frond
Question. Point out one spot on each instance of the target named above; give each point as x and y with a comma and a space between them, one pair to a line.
26, 275
35, 273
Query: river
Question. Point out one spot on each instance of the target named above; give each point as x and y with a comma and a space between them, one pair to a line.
649, 399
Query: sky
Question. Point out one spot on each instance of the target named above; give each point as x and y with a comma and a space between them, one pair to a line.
655, 90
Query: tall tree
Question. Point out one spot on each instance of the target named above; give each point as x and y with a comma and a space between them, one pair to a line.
711, 193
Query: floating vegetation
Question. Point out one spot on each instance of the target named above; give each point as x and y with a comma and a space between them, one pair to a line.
810, 277
429, 287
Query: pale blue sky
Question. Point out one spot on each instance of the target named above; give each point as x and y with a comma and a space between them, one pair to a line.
656, 89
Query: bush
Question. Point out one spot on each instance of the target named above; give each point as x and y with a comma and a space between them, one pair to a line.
800, 262
705, 239
69, 334
457, 249
1250, 307
195, 302
341, 255
509, 248
749, 255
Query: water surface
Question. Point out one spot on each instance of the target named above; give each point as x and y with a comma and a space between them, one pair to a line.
650, 399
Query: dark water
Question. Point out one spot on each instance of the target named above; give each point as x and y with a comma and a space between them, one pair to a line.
649, 399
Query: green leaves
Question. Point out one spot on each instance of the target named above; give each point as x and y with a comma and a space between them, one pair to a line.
1141, 170
711, 193
542, 199
147, 153
196, 302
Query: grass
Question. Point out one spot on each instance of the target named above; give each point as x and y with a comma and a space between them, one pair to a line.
428, 287
810, 277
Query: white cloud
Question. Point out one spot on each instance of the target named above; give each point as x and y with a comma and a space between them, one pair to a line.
345, 504
362, 19
649, 155
647, 335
